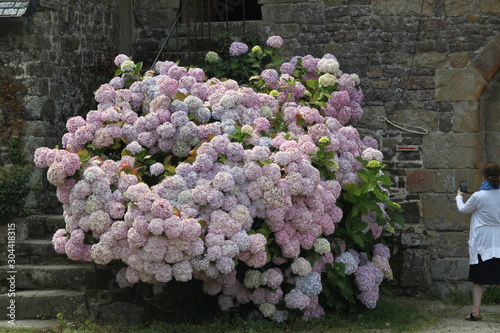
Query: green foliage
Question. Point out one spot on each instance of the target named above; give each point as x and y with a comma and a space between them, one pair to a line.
491, 295
358, 202
14, 183
244, 68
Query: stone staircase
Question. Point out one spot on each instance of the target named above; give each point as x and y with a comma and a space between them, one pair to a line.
46, 283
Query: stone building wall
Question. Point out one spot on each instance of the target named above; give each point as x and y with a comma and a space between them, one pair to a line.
57, 58
424, 66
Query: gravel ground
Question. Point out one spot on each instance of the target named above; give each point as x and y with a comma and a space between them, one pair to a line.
455, 322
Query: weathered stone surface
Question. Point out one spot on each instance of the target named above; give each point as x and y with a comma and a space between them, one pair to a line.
485, 65
122, 313
411, 212
439, 213
459, 59
310, 13
489, 7
32, 303
402, 7
415, 270
280, 13
450, 269
67, 277
451, 291
419, 180
458, 85
452, 244
445, 181
432, 60
450, 150
457, 7
35, 324
466, 116
413, 239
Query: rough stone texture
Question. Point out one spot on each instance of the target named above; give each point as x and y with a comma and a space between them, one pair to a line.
466, 116
68, 276
439, 213
452, 244
468, 87
419, 180
450, 150
450, 269
415, 269
49, 303
122, 313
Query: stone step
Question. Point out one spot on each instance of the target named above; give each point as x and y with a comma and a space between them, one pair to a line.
36, 252
63, 276
33, 304
39, 226
40, 325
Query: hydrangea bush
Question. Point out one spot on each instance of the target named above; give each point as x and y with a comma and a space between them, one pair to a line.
262, 191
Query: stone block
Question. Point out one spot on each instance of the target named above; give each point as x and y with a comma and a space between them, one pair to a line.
445, 182
451, 291
466, 116
402, 7
484, 64
413, 239
440, 213
450, 269
122, 313
266, 2
346, 2
286, 30
458, 85
459, 59
33, 303
411, 212
492, 148
489, 7
310, 13
450, 150
432, 60
280, 13
419, 180
452, 244
69, 277
458, 7
415, 271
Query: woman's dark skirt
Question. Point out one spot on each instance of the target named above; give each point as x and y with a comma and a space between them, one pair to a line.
485, 272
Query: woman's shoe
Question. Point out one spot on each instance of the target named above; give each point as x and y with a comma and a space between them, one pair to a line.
471, 317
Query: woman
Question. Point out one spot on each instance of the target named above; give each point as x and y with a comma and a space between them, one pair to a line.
484, 236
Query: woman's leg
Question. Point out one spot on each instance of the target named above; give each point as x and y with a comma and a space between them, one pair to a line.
477, 295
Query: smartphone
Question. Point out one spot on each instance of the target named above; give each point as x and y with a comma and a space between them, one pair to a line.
463, 187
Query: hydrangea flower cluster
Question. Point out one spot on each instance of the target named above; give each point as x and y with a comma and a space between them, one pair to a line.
182, 177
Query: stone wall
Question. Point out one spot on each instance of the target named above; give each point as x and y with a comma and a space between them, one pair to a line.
424, 66
59, 57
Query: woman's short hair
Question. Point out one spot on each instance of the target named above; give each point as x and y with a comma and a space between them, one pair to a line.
491, 172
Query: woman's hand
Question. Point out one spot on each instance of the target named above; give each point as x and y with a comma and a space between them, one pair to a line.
459, 192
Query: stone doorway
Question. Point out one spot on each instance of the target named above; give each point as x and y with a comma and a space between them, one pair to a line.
489, 106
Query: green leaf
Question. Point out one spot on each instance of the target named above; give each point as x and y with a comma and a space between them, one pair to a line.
138, 68
313, 84
357, 238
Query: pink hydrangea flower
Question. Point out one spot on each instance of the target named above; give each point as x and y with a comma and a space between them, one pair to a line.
237, 49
